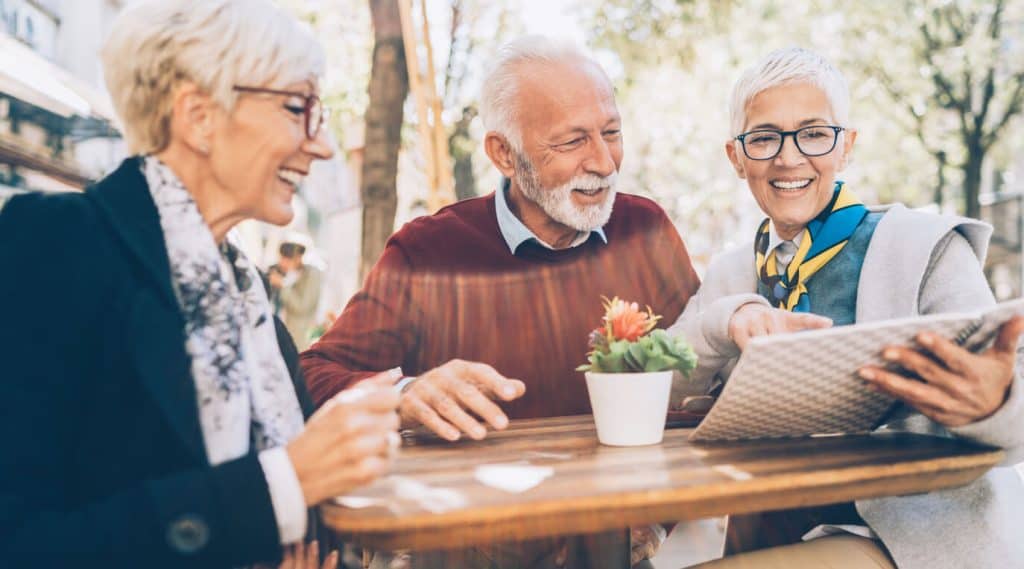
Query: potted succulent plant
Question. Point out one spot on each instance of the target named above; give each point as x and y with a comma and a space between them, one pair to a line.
629, 374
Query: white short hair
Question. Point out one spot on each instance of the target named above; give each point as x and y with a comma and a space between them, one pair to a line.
788, 66
501, 83
157, 44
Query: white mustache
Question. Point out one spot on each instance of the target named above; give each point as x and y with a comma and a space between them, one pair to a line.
592, 182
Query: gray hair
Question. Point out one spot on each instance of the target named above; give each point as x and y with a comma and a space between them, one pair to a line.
155, 45
789, 66
501, 83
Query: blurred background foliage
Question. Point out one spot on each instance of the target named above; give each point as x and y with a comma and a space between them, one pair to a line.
937, 88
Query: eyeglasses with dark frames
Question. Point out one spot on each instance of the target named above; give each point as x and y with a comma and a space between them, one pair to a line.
814, 140
315, 112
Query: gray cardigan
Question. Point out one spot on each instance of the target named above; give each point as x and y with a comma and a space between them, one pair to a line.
916, 263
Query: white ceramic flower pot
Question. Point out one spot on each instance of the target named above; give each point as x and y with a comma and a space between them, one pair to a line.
629, 408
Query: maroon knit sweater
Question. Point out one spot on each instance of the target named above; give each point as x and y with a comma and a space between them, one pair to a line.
447, 287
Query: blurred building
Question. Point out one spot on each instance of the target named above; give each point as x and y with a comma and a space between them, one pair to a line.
57, 127
1003, 207
58, 132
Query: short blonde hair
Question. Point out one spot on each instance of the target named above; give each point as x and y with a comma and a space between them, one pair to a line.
788, 66
157, 44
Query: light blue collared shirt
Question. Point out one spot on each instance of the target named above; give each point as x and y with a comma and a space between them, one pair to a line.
515, 231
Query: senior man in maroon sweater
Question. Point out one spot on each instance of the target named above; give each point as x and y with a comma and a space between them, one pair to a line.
487, 304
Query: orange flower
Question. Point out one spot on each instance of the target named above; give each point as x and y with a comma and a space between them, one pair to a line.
625, 321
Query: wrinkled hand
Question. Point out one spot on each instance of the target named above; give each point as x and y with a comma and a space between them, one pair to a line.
305, 556
751, 320
443, 398
644, 542
958, 387
349, 441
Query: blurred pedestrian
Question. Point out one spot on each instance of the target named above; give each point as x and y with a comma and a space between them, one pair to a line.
296, 290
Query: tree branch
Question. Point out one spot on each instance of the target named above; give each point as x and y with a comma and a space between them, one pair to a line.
995, 28
1013, 108
900, 98
453, 36
931, 45
989, 88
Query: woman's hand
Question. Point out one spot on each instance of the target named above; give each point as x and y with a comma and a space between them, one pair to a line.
305, 556
753, 319
958, 387
348, 442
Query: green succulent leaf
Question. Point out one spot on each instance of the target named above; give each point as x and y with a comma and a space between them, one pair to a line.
657, 350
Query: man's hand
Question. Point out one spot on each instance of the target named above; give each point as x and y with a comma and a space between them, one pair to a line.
754, 319
349, 441
958, 387
446, 398
644, 542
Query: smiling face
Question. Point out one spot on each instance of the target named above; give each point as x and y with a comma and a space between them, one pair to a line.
572, 143
791, 188
260, 153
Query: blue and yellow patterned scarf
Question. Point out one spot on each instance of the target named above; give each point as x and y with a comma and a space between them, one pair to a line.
823, 239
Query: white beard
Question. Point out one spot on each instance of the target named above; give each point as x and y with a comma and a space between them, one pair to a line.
557, 202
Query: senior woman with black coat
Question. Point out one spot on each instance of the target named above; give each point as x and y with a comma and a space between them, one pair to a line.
152, 407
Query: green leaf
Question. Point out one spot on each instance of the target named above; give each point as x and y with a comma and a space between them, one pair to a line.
656, 351
613, 361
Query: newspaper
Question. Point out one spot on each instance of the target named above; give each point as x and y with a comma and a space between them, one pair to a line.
806, 383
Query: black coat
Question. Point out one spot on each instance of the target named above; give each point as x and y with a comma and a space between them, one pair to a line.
103, 459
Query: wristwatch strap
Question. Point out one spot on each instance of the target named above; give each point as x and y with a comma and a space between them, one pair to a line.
404, 383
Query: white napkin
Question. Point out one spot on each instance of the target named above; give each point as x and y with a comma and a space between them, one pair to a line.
512, 477
356, 502
434, 499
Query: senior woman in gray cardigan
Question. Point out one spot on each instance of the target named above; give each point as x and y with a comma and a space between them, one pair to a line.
820, 259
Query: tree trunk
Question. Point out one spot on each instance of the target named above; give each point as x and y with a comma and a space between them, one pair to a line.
972, 180
940, 186
460, 147
389, 86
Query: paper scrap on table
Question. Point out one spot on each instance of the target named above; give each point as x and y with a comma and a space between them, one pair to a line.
514, 478
435, 500
731, 471
356, 502
544, 455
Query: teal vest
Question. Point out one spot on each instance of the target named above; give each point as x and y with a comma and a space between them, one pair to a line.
832, 291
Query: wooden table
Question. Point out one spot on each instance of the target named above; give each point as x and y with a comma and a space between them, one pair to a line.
433, 499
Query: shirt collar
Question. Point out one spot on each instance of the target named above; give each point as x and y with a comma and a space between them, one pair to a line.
515, 231
774, 240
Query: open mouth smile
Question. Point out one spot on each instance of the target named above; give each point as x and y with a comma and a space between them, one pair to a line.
291, 177
791, 185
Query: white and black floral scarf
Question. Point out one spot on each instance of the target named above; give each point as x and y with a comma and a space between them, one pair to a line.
243, 387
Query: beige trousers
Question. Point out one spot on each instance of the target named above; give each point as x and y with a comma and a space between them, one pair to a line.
834, 552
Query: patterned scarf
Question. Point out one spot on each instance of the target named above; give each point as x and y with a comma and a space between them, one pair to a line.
823, 239
244, 391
